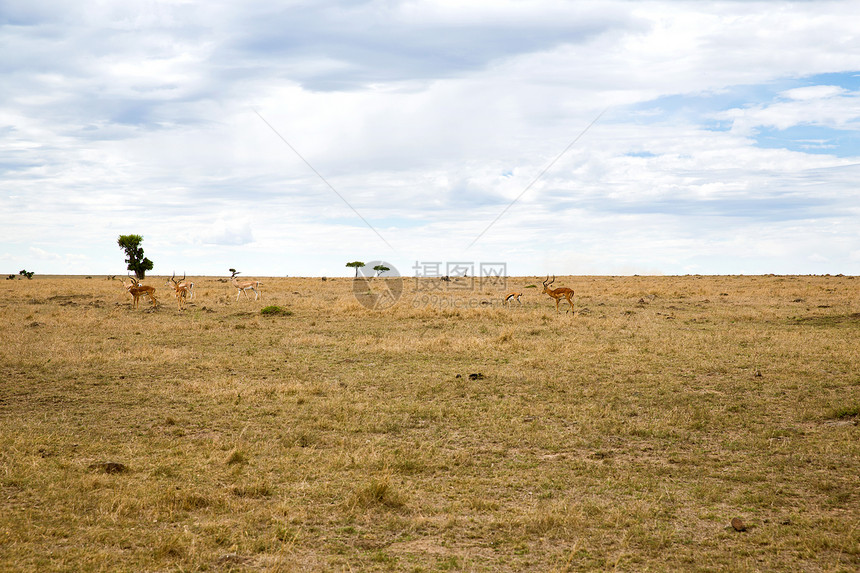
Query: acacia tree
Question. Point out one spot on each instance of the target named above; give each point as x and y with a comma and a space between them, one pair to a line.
356, 265
380, 269
137, 263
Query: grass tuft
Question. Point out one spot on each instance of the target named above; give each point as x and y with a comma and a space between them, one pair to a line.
236, 457
379, 491
257, 490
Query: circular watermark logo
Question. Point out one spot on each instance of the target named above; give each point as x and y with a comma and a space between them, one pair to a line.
378, 285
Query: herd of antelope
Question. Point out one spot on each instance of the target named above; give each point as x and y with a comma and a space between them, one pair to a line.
184, 290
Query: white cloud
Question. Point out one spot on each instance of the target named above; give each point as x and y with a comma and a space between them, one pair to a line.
814, 92
228, 232
44, 255
429, 118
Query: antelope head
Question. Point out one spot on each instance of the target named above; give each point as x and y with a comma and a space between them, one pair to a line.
173, 280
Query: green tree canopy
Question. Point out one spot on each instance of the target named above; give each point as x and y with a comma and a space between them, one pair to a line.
137, 263
380, 269
356, 265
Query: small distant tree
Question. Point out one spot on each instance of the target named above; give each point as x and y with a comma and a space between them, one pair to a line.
26, 273
356, 265
137, 263
380, 269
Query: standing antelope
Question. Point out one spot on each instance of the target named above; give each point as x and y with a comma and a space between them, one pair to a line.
189, 286
557, 293
136, 289
244, 286
181, 287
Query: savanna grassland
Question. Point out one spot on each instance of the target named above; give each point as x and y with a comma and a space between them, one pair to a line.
329, 437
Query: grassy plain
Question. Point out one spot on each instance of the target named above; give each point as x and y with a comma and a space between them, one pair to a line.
625, 436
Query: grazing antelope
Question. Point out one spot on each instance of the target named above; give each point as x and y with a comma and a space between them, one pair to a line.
181, 287
136, 289
244, 286
558, 293
512, 296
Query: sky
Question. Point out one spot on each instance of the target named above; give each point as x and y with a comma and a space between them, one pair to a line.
554, 137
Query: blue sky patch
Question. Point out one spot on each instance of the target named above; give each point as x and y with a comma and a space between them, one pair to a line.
814, 139
704, 109
700, 107
847, 80
645, 154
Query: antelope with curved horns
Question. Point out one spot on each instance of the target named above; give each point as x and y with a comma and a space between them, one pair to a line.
244, 286
181, 287
182, 283
135, 289
558, 293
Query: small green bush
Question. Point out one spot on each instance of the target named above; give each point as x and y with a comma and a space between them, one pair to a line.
274, 310
846, 412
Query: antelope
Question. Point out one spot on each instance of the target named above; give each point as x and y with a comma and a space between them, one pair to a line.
558, 293
243, 286
513, 296
189, 286
181, 287
136, 289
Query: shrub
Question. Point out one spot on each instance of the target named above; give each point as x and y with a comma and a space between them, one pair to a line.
846, 412
274, 310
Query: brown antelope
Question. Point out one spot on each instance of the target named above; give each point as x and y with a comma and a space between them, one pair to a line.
181, 287
182, 283
558, 293
511, 296
136, 289
244, 286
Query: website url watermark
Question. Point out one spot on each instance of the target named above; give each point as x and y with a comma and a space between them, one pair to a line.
442, 284
459, 275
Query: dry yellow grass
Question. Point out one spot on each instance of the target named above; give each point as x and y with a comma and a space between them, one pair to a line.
334, 438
